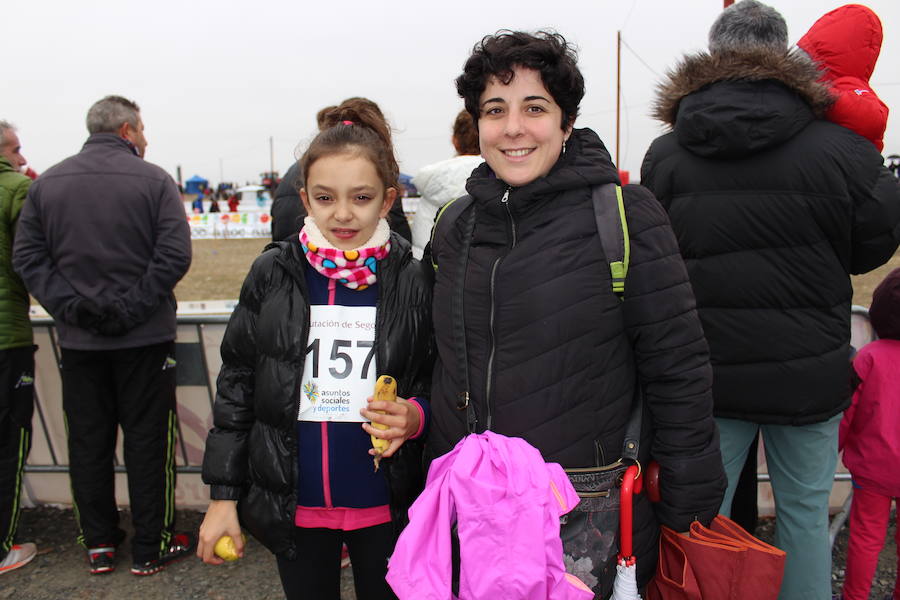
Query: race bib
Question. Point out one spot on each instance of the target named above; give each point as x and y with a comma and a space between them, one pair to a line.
339, 372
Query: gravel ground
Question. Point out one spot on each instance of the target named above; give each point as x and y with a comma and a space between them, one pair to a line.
60, 569
885, 576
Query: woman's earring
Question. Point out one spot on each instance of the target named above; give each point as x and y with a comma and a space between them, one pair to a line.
564, 147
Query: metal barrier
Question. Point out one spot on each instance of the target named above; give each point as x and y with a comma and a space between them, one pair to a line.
197, 352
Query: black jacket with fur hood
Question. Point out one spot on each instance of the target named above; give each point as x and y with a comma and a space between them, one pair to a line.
773, 209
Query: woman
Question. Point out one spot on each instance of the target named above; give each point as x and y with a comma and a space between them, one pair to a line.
443, 181
551, 353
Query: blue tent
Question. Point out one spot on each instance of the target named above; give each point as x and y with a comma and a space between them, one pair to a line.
195, 185
406, 181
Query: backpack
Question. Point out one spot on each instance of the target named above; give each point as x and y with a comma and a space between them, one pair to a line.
609, 213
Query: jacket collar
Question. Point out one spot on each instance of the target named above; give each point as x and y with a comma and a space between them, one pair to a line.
586, 162
793, 70
109, 140
5, 165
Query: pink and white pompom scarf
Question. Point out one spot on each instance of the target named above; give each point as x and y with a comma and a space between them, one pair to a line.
355, 269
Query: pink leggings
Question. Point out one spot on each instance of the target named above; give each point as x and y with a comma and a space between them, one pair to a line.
869, 514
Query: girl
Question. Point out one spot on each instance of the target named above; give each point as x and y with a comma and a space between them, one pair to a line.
319, 318
870, 438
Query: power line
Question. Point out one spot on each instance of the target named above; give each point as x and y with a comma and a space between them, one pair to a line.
641, 60
609, 110
628, 16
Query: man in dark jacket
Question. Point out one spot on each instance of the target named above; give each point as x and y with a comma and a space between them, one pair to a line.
102, 240
16, 356
773, 209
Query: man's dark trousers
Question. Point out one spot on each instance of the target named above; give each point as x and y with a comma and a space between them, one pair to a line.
16, 409
134, 388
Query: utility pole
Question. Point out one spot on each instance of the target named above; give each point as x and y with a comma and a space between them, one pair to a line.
271, 159
618, 89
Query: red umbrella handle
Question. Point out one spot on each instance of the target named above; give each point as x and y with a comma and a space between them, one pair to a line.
631, 484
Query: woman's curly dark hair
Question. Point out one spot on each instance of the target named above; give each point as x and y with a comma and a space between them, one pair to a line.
546, 52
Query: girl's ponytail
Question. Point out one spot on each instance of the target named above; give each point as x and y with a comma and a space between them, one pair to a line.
355, 125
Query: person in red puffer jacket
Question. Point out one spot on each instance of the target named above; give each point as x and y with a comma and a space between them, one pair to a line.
846, 43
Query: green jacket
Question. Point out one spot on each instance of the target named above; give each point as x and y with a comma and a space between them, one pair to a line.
15, 327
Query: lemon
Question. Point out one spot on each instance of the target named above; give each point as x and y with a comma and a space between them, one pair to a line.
225, 549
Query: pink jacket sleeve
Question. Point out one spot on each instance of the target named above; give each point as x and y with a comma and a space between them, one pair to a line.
861, 364
420, 566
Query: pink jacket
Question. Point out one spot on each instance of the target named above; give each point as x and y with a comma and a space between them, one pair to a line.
870, 430
506, 502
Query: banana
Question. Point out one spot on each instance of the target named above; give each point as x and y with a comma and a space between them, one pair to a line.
385, 389
225, 548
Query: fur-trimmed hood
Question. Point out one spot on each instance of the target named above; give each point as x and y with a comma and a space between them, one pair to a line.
697, 71
735, 104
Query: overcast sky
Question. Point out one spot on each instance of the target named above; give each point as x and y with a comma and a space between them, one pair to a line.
216, 79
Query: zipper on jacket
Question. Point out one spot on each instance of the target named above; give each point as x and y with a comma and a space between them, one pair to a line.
298, 391
489, 418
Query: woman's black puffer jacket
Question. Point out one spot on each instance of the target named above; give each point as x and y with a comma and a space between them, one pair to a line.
251, 451
553, 354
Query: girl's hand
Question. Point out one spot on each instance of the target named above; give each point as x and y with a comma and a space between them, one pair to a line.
221, 519
402, 419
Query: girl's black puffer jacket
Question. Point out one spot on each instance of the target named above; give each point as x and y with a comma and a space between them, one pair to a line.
251, 451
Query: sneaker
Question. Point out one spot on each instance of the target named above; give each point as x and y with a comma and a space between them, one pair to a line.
18, 556
345, 557
102, 559
182, 545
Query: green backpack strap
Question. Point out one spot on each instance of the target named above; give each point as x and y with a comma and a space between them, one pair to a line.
609, 212
445, 218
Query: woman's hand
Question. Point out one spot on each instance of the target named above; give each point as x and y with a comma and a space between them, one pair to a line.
402, 418
221, 519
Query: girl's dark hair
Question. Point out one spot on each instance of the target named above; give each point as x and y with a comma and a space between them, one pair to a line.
355, 126
547, 53
884, 313
465, 134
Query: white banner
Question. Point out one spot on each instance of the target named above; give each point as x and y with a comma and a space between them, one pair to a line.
209, 226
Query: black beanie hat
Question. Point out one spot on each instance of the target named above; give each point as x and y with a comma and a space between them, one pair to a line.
885, 310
